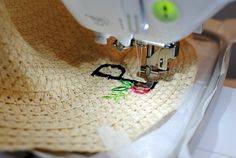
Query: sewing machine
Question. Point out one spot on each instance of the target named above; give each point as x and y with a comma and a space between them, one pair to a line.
154, 25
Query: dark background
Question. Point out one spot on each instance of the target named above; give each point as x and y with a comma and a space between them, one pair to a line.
229, 12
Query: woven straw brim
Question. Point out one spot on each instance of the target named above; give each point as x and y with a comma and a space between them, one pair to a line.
48, 98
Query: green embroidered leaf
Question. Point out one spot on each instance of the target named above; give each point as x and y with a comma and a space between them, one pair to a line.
117, 96
120, 88
113, 94
107, 97
127, 83
116, 99
120, 92
126, 96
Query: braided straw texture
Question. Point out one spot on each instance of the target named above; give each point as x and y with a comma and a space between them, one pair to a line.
49, 100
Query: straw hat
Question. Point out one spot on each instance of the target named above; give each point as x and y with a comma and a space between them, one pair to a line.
48, 97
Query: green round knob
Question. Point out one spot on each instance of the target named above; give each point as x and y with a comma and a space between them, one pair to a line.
165, 10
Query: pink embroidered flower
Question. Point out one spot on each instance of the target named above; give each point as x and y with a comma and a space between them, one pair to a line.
122, 92
140, 90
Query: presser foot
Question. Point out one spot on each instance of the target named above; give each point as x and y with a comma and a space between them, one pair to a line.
157, 60
150, 74
157, 57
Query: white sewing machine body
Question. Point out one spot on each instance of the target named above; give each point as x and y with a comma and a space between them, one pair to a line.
127, 19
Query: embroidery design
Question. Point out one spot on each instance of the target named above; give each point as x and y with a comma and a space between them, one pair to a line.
128, 86
120, 92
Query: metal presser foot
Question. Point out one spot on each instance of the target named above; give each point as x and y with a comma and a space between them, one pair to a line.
156, 57
157, 60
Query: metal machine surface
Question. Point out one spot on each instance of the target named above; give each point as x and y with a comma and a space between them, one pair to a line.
155, 26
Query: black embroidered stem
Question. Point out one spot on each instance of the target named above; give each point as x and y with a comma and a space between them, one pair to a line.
120, 77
